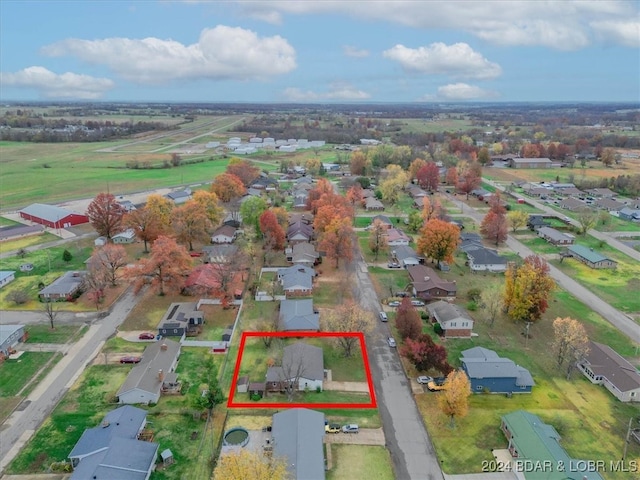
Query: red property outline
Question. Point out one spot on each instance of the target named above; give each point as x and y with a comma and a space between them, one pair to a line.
365, 360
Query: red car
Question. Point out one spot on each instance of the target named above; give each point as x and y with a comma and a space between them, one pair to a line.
147, 336
130, 359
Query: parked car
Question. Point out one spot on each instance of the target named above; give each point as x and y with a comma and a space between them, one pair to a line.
130, 359
332, 428
383, 316
423, 380
434, 387
351, 428
401, 294
391, 342
394, 303
439, 380
394, 265
417, 303
147, 336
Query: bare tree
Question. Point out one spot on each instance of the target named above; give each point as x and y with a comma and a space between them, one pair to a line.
293, 368
50, 312
587, 218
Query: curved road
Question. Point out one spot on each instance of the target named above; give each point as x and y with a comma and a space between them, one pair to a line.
30, 414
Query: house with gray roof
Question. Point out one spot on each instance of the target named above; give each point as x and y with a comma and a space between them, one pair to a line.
181, 318
224, 234
10, 335
572, 204
297, 435
555, 237
223, 253
590, 257
601, 192
180, 196
299, 231
541, 162
301, 363
297, 280
372, 203
112, 449
632, 214
302, 253
609, 204
6, 277
126, 237
64, 287
282, 272
537, 443
489, 373
406, 256
455, 322
154, 373
604, 366
483, 259
298, 315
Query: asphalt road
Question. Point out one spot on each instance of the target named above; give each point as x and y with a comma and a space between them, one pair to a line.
411, 450
30, 414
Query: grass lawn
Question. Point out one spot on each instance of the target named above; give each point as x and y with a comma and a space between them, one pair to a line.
60, 334
149, 311
217, 320
120, 345
360, 462
26, 242
16, 373
387, 281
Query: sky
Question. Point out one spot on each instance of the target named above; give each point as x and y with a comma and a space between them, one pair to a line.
320, 51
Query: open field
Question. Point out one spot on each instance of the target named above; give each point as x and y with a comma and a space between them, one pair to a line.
359, 462
61, 334
16, 373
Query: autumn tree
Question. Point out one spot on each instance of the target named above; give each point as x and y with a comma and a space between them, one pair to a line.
451, 176
415, 166
348, 318
166, 267
416, 222
243, 464
105, 215
425, 354
378, 238
162, 208
408, 321
251, 209
211, 204
359, 164
190, 223
337, 240
393, 183
354, 194
494, 227
491, 302
95, 280
227, 187
330, 207
431, 208
587, 218
454, 399
608, 156
570, 342
321, 188
428, 176
274, 235
439, 240
108, 259
517, 219
469, 177
245, 170
483, 156
145, 224
527, 289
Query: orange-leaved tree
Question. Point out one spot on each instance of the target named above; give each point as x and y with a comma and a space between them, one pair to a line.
211, 204
191, 223
108, 259
272, 231
245, 170
415, 166
439, 240
428, 176
378, 238
105, 215
337, 240
161, 207
227, 187
454, 399
146, 225
527, 289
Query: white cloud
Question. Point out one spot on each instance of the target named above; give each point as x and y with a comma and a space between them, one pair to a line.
221, 53
623, 32
461, 91
563, 25
337, 91
458, 60
355, 52
53, 85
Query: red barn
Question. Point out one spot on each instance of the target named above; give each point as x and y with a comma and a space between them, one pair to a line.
52, 216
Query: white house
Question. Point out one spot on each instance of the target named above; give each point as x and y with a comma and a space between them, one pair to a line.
128, 236
6, 276
224, 234
301, 362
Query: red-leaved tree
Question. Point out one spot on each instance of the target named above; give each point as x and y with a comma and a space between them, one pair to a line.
273, 232
245, 170
408, 320
428, 176
494, 225
105, 215
424, 354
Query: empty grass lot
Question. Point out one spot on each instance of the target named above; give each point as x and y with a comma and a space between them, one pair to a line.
60, 334
359, 462
16, 373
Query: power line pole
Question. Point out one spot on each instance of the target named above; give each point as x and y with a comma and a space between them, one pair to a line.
626, 440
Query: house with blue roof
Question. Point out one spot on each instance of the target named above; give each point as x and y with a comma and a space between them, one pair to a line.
490, 373
113, 451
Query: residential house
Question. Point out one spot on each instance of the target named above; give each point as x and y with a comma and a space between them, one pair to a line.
264, 182
567, 191
538, 191
396, 237
180, 196
486, 260
384, 220
297, 280
631, 214
223, 253
604, 366
6, 277
406, 256
555, 237
127, 205
427, 285
298, 315
591, 258
300, 198
154, 374
302, 253
601, 192
297, 435
283, 272
530, 163
224, 234
126, 237
372, 204
298, 232
301, 363
112, 450
52, 216
572, 204
63, 288
416, 192
181, 319
608, 204
479, 193
489, 373
367, 192
533, 442
536, 221
10, 336
418, 203
100, 241
455, 322
204, 280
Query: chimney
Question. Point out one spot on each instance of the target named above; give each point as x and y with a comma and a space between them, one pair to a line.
161, 375
164, 347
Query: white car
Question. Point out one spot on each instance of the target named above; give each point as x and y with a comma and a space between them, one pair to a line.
424, 380
417, 303
383, 316
391, 342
